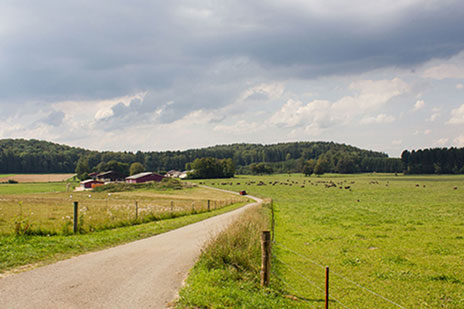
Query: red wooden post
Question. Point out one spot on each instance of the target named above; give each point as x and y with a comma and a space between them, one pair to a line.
327, 287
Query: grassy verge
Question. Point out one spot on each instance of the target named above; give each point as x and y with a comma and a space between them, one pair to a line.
18, 251
227, 273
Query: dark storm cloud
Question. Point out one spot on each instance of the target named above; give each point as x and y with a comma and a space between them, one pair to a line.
201, 57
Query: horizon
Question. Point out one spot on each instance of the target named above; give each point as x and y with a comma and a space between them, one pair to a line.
385, 76
231, 144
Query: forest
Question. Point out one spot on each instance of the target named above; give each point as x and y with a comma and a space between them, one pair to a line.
434, 161
34, 156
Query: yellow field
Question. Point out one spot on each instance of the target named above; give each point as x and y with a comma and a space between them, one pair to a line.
53, 212
21, 178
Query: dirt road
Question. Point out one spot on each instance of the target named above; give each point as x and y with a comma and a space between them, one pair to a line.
143, 274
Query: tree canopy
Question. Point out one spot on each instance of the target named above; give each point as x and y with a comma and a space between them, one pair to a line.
212, 168
33, 156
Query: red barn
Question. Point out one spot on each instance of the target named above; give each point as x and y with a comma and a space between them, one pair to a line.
91, 183
144, 177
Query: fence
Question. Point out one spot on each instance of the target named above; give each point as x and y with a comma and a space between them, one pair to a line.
55, 215
317, 280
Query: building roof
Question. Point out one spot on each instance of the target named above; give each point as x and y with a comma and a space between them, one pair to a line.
140, 175
90, 180
106, 173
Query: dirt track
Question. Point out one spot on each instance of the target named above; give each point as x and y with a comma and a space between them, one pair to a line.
143, 274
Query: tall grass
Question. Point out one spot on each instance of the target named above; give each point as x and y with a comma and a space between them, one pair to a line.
227, 273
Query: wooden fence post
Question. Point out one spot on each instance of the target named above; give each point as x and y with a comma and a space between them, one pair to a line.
327, 287
273, 220
265, 257
208, 205
136, 210
172, 208
76, 216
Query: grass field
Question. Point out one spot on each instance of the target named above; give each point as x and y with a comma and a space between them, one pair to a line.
401, 237
52, 213
28, 188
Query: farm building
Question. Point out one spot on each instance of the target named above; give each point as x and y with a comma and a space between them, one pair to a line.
144, 177
173, 174
184, 174
91, 183
110, 176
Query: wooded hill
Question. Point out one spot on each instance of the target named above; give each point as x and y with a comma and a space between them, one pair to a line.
34, 156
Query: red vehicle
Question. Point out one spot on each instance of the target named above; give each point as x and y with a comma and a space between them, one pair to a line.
243, 192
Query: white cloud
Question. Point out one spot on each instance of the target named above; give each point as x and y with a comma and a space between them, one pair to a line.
380, 118
271, 91
441, 69
442, 141
397, 142
318, 115
427, 131
457, 116
460, 86
419, 104
296, 113
241, 127
459, 141
433, 117
372, 94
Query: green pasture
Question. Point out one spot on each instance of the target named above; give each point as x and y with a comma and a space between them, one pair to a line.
401, 237
28, 188
6, 175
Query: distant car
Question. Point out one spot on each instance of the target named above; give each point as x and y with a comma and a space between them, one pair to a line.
243, 192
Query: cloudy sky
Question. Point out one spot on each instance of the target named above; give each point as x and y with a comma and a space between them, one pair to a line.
385, 75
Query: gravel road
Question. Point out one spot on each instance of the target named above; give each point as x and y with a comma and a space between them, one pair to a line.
142, 274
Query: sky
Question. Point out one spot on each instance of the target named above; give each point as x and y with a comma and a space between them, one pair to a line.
383, 75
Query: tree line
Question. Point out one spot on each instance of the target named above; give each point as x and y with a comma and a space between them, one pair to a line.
433, 161
33, 156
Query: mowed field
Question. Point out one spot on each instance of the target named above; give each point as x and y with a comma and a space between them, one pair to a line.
389, 241
21, 178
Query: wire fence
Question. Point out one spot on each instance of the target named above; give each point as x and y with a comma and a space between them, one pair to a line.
45, 214
316, 285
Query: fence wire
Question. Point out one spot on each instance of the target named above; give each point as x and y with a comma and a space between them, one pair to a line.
332, 272
314, 284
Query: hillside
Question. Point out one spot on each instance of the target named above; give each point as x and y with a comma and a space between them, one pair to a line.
34, 156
